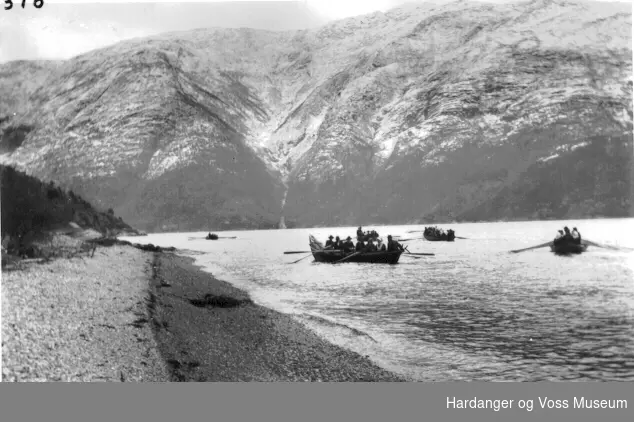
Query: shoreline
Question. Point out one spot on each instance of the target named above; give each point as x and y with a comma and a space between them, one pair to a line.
208, 330
135, 314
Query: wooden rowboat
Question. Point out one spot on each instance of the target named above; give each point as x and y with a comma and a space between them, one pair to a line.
325, 255
566, 248
380, 257
444, 238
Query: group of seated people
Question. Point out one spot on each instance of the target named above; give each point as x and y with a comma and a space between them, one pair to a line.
435, 231
366, 242
566, 235
364, 236
339, 244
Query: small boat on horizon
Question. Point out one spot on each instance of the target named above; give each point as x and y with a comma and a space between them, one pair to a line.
432, 234
568, 242
214, 236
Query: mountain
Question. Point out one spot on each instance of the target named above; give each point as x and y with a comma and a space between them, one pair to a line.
429, 112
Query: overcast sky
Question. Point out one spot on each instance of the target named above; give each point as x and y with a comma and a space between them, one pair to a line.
62, 28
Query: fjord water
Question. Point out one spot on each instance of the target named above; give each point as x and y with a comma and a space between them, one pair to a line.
473, 311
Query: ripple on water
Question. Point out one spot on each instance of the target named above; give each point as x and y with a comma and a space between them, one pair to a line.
472, 312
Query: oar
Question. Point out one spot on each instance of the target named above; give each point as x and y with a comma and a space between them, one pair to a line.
599, 245
532, 247
347, 257
295, 262
417, 253
294, 252
408, 254
458, 237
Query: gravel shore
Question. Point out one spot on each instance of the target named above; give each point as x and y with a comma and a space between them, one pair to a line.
208, 330
80, 320
131, 315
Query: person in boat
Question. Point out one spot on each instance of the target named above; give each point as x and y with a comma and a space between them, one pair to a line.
359, 233
329, 242
393, 245
567, 234
381, 246
370, 247
576, 236
360, 246
337, 244
348, 246
559, 238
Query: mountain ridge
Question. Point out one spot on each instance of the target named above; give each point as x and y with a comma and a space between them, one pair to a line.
420, 113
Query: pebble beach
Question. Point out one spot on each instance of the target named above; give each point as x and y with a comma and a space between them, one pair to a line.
77, 320
127, 315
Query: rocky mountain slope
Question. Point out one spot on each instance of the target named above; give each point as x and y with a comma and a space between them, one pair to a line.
427, 112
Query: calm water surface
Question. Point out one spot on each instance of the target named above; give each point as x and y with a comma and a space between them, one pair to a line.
471, 312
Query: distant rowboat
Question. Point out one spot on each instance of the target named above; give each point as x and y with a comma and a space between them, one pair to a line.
566, 248
442, 238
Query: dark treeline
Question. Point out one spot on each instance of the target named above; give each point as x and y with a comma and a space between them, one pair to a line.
30, 206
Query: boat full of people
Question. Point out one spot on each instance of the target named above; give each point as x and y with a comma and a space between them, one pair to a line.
434, 234
369, 248
568, 242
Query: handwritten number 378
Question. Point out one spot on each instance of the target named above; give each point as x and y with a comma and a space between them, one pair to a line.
9, 4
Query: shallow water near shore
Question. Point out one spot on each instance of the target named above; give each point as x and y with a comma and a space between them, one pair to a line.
473, 311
